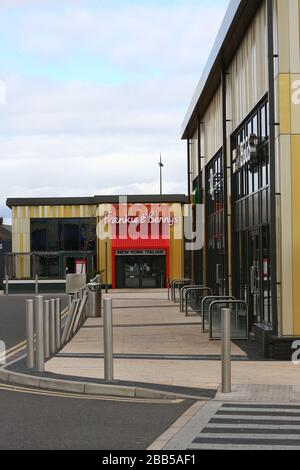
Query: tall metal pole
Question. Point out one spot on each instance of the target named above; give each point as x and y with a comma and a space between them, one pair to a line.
190, 254
226, 350
30, 333
225, 171
106, 265
108, 340
272, 157
161, 166
39, 325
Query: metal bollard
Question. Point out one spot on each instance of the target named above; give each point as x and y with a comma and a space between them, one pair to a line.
108, 340
52, 327
39, 331
226, 350
6, 285
36, 284
58, 323
70, 301
30, 333
68, 323
47, 328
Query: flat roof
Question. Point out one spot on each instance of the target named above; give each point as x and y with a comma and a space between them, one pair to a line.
233, 28
78, 201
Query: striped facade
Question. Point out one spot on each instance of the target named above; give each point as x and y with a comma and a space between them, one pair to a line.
21, 242
213, 120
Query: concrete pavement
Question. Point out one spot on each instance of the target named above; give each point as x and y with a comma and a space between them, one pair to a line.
155, 344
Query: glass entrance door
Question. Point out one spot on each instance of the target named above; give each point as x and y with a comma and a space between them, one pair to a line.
132, 273
141, 272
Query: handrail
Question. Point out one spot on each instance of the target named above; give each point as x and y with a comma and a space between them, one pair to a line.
173, 286
194, 289
170, 287
230, 302
180, 285
212, 298
181, 295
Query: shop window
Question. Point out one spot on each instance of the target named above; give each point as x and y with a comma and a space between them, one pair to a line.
38, 236
53, 235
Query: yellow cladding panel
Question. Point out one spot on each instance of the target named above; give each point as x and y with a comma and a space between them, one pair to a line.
296, 229
295, 103
102, 261
286, 259
176, 259
283, 20
284, 104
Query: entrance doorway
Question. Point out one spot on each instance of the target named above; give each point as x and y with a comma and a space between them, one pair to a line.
252, 280
140, 272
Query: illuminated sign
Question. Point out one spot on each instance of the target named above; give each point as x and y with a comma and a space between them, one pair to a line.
151, 218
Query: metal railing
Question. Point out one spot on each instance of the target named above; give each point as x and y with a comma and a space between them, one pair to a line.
182, 297
36, 266
239, 319
175, 285
193, 298
205, 303
49, 329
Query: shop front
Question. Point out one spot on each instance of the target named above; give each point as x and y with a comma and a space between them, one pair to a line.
137, 245
251, 215
243, 133
141, 269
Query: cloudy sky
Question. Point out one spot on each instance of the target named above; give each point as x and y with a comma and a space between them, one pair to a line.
96, 90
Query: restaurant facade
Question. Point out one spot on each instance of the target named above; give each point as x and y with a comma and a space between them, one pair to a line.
243, 151
134, 242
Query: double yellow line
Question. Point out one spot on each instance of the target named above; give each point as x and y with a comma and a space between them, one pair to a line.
18, 389
8, 353
13, 350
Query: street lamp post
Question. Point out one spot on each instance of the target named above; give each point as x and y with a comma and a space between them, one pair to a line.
161, 166
106, 265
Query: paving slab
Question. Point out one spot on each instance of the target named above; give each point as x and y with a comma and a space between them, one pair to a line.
156, 344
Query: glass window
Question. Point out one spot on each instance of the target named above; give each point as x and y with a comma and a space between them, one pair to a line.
53, 235
70, 236
38, 236
53, 239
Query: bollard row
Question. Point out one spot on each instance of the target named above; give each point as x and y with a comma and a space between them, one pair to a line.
44, 332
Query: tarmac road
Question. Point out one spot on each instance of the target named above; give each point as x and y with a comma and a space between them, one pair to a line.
40, 420
12, 317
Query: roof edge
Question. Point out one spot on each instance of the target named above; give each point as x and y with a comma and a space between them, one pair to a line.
79, 201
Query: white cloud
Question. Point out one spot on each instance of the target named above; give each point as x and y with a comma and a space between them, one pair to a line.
69, 137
